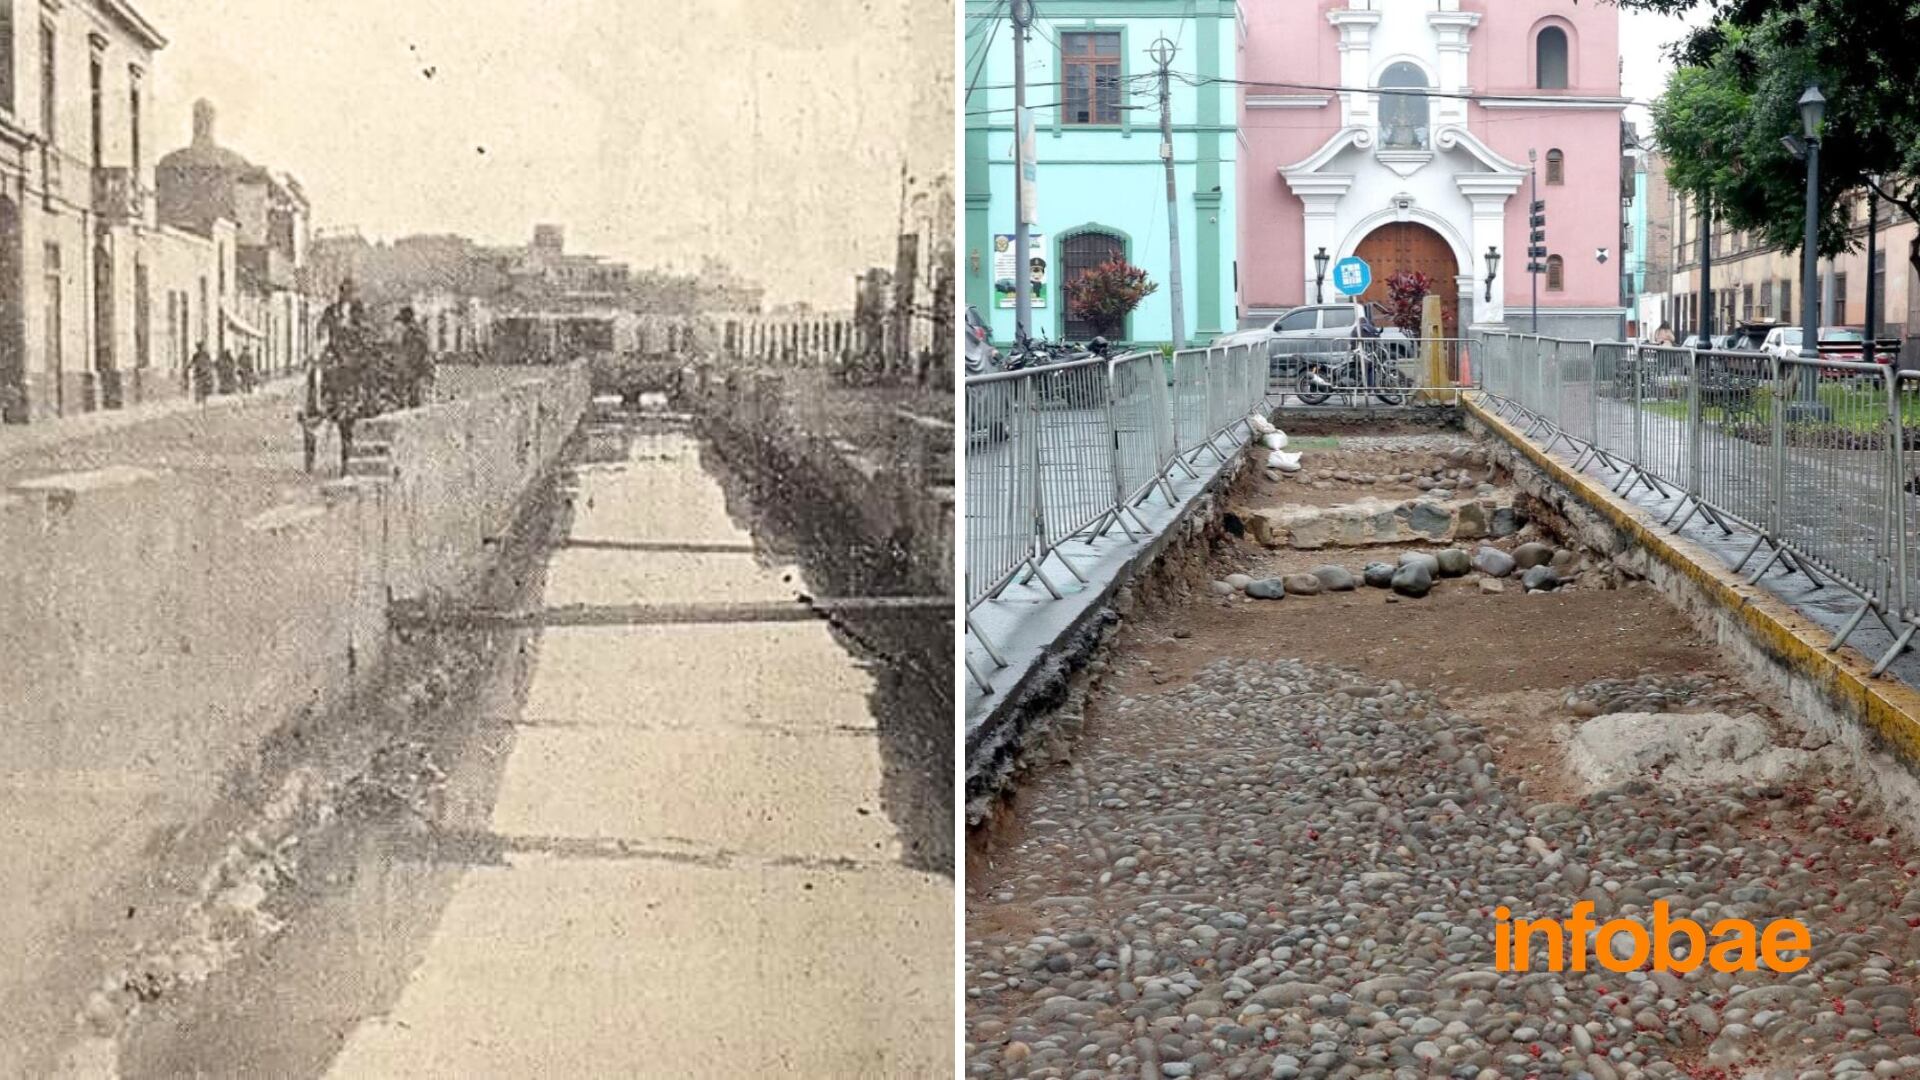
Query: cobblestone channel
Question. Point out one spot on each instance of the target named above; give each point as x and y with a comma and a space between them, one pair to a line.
1277, 847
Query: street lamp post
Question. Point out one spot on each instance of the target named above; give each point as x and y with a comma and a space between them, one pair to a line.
1813, 109
1871, 351
1493, 268
1320, 260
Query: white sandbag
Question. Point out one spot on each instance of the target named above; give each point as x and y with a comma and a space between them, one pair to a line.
1274, 440
1283, 461
1261, 425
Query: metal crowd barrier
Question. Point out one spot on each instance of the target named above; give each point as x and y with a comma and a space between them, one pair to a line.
1069, 452
1386, 371
1816, 459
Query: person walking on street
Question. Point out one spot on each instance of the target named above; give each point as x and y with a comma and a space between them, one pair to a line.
416, 360
200, 372
228, 371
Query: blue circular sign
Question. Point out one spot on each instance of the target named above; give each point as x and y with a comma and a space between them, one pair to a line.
1352, 275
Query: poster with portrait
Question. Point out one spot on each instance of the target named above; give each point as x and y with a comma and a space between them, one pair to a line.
1005, 266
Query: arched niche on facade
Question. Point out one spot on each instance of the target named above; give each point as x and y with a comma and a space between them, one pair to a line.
1405, 115
1552, 54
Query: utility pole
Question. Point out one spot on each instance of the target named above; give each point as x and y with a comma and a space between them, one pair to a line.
1162, 53
1021, 12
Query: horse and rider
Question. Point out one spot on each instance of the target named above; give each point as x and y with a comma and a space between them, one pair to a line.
358, 375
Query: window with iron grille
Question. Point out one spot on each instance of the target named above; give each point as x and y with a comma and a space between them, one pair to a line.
1078, 254
1766, 299
1556, 274
1090, 77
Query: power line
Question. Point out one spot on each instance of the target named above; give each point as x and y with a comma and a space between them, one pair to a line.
1254, 84
986, 52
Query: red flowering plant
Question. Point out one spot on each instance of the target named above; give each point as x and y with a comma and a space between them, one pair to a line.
1406, 293
1104, 295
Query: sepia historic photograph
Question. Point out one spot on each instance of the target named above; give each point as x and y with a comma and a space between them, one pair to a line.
477, 514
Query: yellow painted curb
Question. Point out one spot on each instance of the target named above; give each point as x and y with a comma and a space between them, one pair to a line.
1887, 706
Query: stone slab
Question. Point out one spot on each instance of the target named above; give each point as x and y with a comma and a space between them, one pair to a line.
662, 969
765, 793
710, 677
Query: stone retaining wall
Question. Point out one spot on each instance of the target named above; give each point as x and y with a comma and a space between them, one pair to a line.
1875, 722
152, 628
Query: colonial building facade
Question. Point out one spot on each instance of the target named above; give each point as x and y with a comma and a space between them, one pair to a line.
259, 223
1753, 282
102, 298
1410, 133
1100, 179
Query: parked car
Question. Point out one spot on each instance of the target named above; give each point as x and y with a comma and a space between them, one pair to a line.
1847, 343
1318, 334
1752, 337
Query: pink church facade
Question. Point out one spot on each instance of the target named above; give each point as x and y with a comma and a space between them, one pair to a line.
1433, 181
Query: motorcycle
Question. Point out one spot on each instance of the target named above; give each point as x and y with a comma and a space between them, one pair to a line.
1367, 368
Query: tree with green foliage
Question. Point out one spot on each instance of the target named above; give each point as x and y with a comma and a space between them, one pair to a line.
1736, 93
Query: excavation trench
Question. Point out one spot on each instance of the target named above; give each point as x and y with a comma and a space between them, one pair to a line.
1271, 840
317, 918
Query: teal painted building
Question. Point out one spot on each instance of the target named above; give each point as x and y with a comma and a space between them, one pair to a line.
1093, 90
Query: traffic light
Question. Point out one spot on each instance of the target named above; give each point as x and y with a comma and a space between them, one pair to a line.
1537, 251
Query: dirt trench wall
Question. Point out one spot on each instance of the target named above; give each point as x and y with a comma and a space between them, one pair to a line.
151, 628
1875, 721
901, 524
1036, 723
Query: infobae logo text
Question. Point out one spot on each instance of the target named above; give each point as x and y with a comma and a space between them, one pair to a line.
1624, 945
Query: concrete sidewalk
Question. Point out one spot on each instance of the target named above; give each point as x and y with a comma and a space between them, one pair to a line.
25, 438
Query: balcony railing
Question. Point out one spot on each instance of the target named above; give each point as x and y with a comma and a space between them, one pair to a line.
117, 195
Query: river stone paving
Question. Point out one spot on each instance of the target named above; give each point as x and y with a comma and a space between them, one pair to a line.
1283, 870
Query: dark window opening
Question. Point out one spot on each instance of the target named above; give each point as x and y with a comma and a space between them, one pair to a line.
1550, 59
48, 82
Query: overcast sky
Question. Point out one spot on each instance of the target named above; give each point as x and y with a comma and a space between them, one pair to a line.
768, 132
1644, 66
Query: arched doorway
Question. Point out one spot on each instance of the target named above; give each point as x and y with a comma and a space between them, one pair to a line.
13, 326
1080, 250
1407, 245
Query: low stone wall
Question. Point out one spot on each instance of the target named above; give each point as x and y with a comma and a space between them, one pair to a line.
153, 628
1875, 722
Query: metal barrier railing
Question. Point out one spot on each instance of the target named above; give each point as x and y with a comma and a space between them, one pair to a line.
1071, 451
1811, 457
1387, 371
